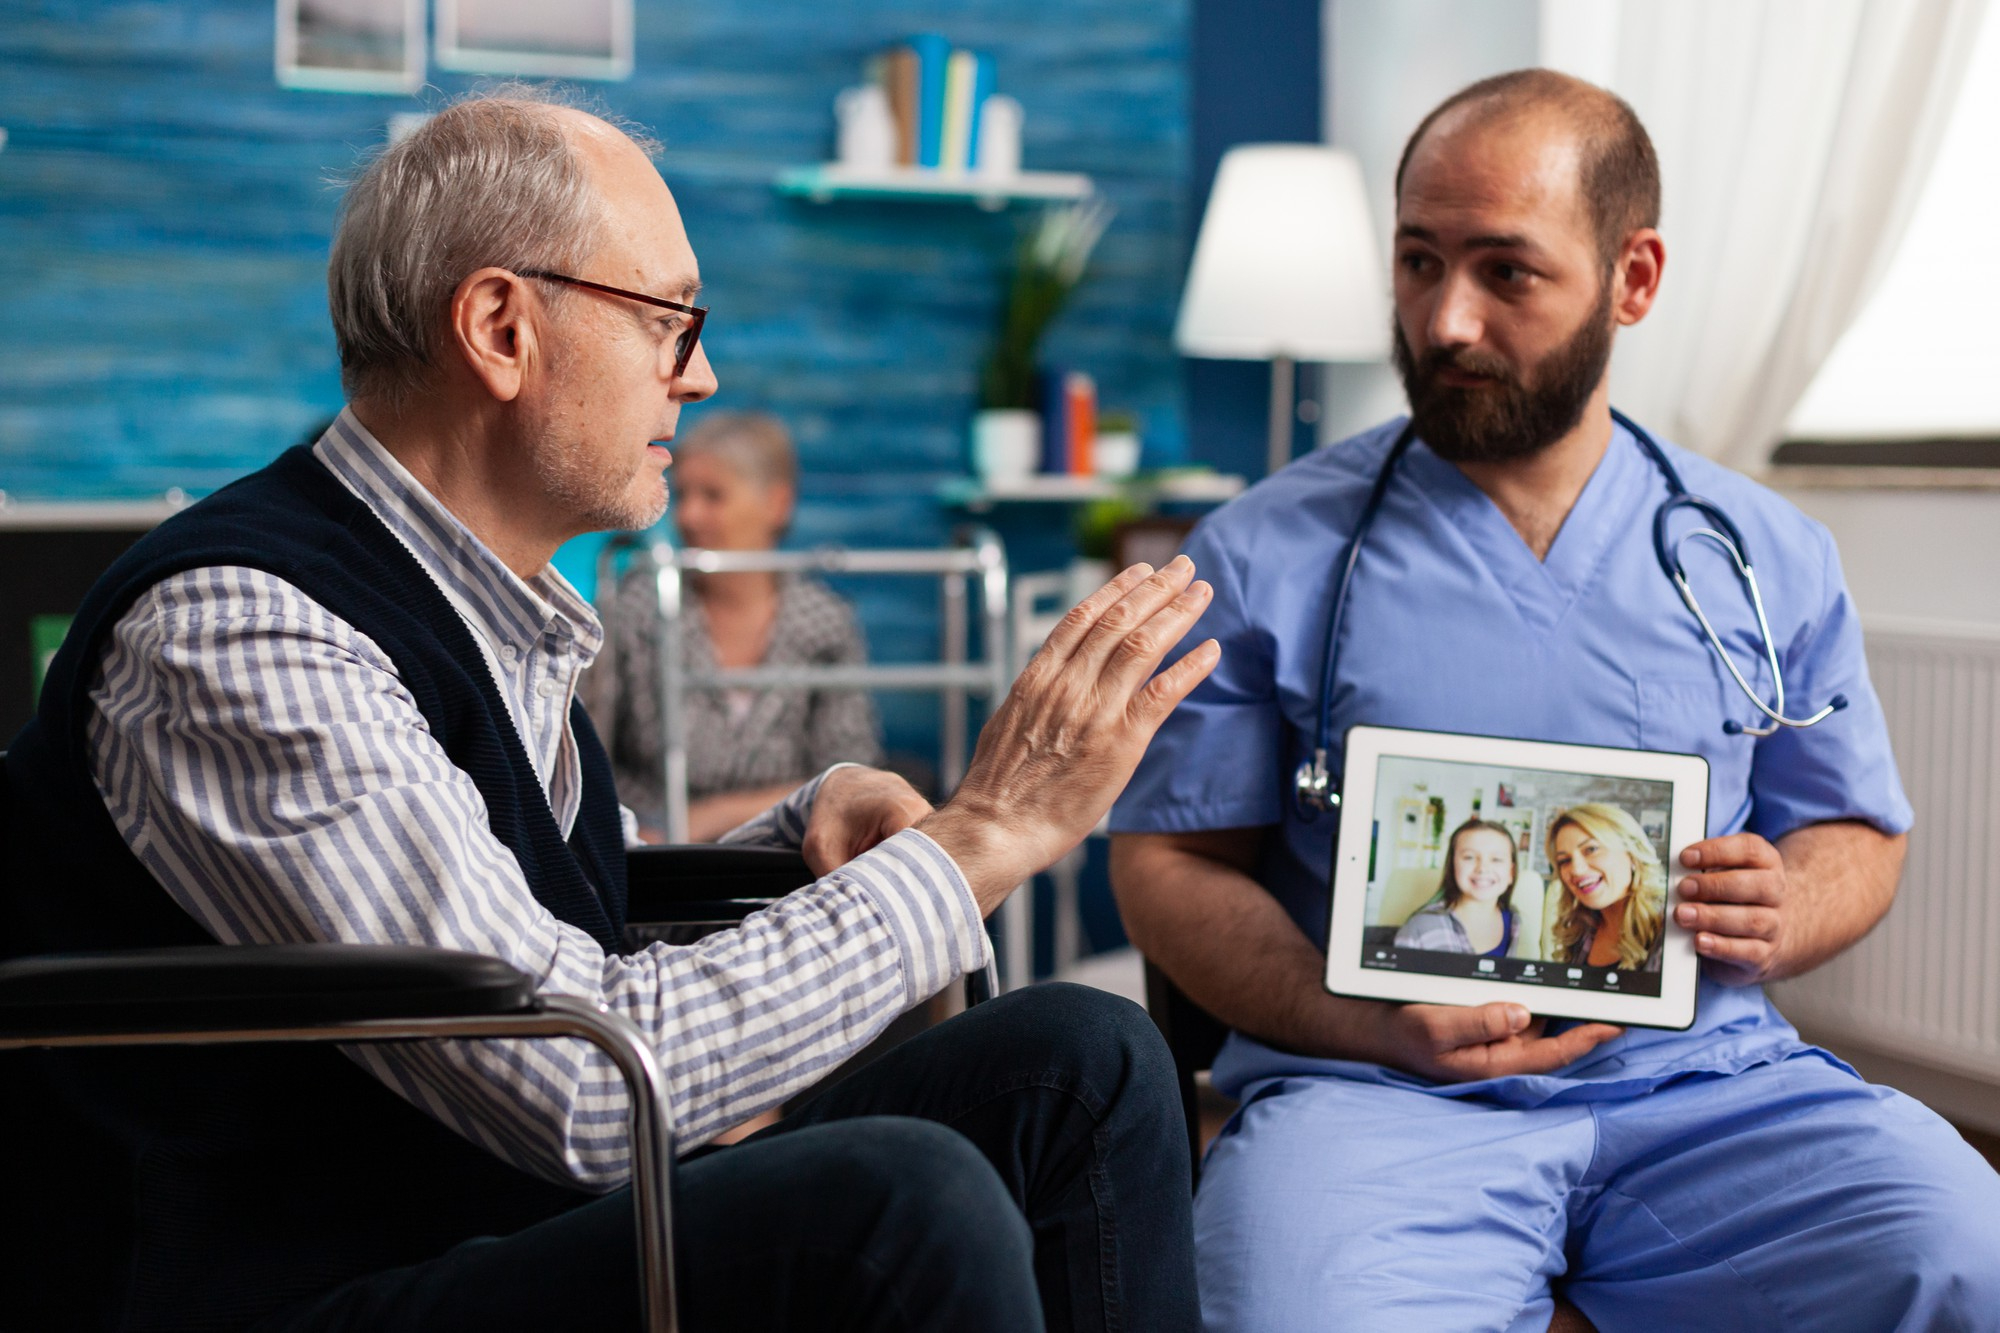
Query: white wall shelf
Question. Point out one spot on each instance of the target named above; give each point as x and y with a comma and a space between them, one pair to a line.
978, 496
828, 181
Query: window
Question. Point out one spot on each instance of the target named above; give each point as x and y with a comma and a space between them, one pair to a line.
1916, 379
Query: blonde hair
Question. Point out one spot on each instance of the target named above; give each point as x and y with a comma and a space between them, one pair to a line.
1646, 901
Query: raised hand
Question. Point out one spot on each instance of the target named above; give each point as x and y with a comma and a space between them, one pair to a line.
1066, 739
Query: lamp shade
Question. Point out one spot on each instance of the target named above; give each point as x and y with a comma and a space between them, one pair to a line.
1286, 265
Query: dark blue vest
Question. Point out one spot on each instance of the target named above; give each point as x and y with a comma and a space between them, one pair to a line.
202, 1188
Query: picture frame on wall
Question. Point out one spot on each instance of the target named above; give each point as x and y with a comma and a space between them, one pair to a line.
579, 39
351, 46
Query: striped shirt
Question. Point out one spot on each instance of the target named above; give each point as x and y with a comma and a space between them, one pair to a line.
265, 763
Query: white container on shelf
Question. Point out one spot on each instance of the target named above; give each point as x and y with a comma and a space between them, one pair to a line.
1115, 454
867, 137
1006, 444
998, 152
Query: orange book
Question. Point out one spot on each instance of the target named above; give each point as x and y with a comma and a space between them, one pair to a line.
1080, 394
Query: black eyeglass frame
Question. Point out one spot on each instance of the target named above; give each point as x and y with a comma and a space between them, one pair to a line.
684, 346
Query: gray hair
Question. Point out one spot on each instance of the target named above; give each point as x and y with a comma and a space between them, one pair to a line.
491, 180
754, 444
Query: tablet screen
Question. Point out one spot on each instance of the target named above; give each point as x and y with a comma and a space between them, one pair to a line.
1476, 868
1512, 874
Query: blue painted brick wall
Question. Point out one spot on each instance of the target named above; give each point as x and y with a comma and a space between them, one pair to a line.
165, 210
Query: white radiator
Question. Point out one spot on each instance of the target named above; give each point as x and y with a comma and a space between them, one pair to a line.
1924, 987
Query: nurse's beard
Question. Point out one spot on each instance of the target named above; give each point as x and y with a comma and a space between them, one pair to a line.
1507, 419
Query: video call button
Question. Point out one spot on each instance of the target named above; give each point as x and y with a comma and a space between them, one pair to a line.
1486, 965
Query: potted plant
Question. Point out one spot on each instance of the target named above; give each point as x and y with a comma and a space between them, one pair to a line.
1007, 431
1116, 450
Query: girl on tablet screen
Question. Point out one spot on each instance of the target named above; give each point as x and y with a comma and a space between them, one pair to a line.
1612, 909
1474, 908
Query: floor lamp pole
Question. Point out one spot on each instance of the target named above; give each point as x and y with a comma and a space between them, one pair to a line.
1281, 414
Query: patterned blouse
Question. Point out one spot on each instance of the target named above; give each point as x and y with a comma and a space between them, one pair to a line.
756, 738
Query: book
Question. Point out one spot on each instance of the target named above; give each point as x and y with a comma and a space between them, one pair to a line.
1055, 421
982, 88
898, 75
960, 82
1080, 420
933, 53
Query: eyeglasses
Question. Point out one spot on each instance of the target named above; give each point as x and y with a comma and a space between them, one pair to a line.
683, 346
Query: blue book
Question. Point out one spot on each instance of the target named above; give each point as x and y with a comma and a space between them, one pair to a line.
1055, 421
933, 54
982, 88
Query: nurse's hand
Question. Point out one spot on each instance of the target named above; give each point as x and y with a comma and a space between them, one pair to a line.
1461, 1045
1735, 906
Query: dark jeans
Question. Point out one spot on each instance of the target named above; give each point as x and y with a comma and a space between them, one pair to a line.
1020, 1167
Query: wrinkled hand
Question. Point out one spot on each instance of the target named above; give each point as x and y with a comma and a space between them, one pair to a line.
1064, 743
1459, 1045
1736, 906
854, 809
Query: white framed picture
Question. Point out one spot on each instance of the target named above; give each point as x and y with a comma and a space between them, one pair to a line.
579, 39
351, 46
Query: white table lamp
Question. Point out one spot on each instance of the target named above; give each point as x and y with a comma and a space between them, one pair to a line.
1285, 270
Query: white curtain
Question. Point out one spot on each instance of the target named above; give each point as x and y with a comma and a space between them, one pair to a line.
1794, 138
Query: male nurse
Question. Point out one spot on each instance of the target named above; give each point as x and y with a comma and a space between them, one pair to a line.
1436, 1167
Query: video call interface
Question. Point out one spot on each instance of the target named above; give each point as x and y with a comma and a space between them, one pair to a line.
1523, 875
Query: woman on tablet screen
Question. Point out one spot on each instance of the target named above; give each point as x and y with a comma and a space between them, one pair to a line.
1612, 910
1474, 908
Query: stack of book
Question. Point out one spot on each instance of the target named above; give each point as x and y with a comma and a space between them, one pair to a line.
1069, 423
936, 95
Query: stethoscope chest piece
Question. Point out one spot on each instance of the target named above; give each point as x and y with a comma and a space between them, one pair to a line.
1313, 790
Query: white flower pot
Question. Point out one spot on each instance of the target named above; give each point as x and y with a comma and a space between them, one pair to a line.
1006, 444
1115, 455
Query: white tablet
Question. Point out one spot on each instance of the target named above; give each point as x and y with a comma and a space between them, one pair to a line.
1471, 869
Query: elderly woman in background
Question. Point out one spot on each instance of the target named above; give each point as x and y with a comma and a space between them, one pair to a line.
734, 485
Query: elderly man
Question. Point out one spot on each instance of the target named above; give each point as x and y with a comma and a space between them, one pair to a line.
334, 703
1438, 1167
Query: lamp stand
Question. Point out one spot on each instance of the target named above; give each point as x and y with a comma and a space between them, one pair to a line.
1280, 452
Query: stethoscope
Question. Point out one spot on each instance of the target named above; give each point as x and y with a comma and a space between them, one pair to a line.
1317, 790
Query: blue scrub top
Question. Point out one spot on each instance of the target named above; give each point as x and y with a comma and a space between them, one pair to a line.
1454, 625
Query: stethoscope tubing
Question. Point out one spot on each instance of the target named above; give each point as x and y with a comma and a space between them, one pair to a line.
1315, 788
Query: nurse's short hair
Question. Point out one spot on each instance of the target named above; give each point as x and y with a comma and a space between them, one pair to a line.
492, 180
755, 445
1620, 171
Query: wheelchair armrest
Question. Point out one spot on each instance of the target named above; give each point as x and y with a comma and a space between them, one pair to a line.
213, 988
701, 882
